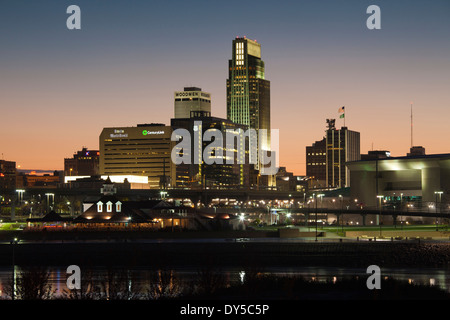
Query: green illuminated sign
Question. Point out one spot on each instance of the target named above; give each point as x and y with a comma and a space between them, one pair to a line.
144, 132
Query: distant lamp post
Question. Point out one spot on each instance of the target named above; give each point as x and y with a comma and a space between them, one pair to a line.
49, 195
20, 193
401, 208
379, 207
13, 243
315, 198
401, 201
438, 193
342, 212
321, 202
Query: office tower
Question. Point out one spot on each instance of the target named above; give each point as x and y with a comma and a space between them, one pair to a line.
200, 174
248, 92
144, 150
342, 146
191, 99
316, 163
83, 163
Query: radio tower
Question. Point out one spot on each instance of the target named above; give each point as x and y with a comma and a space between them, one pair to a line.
411, 125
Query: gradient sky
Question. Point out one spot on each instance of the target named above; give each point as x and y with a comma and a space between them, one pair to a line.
59, 88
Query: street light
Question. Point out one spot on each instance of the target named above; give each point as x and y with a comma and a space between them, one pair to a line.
13, 243
342, 211
48, 199
440, 196
379, 217
401, 209
20, 192
314, 195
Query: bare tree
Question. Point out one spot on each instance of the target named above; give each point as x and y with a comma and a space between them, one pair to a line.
209, 279
117, 285
87, 289
31, 283
163, 284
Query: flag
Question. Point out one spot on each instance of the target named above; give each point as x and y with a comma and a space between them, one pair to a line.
341, 109
342, 116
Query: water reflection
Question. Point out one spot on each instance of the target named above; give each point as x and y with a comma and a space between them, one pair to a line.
145, 278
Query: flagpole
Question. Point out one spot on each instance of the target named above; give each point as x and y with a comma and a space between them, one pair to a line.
342, 109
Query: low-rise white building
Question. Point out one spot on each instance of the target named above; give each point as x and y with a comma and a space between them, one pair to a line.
423, 178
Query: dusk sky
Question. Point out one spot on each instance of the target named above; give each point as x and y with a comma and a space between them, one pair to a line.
60, 87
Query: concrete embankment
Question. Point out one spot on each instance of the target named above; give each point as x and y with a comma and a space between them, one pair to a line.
400, 233
228, 253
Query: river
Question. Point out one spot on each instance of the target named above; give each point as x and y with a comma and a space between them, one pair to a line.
423, 276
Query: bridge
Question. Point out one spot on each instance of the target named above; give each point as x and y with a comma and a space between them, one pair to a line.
202, 195
306, 213
205, 196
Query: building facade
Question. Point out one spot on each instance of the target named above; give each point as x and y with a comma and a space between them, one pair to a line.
144, 150
316, 164
342, 145
7, 174
191, 99
376, 154
198, 174
83, 163
326, 158
39, 181
248, 91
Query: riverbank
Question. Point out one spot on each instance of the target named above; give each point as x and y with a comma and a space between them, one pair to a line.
227, 253
135, 234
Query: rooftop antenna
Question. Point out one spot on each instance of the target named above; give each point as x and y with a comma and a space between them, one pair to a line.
331, 124
411, 124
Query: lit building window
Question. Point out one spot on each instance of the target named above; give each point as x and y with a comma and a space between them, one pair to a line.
99, 206
118, 206
109, 206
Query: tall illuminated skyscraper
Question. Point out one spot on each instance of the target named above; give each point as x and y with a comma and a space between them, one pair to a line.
248, 92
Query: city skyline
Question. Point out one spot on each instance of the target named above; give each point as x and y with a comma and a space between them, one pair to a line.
60, 88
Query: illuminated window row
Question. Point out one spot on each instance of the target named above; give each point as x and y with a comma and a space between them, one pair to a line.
317, 154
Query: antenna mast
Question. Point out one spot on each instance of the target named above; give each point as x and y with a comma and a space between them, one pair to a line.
411, 125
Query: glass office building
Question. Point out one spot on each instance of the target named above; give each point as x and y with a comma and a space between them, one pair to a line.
198, 174
248, 92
